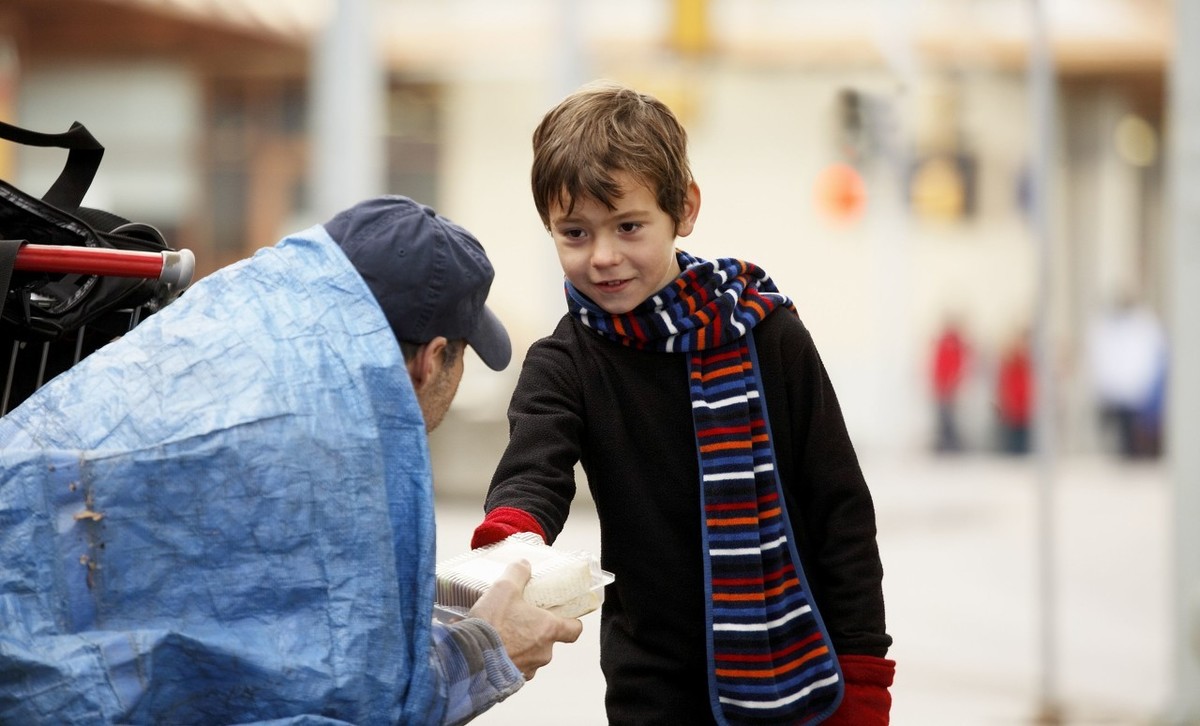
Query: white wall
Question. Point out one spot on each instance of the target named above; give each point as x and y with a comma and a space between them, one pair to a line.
147, 115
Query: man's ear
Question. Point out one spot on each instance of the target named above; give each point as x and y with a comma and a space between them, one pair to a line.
691, 208
425, 366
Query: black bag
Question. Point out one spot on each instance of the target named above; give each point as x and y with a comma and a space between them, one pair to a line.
50, 321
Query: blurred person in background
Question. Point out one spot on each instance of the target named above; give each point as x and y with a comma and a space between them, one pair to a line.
1014, 395
948, 367
733, 509
227, 515
1127, 356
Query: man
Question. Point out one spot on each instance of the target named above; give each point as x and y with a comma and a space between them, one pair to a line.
227, 515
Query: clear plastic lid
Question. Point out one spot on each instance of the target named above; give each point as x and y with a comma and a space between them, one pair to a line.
567, 583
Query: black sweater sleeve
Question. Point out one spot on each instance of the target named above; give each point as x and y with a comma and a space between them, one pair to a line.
830, 505
545, 424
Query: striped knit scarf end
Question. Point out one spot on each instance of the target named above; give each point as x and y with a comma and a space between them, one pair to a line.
771, 660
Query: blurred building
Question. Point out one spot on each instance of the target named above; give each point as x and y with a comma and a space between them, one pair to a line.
873, 155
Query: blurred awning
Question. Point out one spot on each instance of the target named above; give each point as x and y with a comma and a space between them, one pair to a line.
1087, 36
296, 19
220, 32
438, 36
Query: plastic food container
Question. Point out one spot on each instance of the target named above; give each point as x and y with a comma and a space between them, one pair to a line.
567, 583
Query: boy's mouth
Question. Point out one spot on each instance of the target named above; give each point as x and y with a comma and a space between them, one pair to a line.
611, 284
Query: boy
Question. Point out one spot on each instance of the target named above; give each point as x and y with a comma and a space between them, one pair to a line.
731, 503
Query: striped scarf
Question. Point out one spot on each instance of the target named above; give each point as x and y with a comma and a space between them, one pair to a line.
770, 658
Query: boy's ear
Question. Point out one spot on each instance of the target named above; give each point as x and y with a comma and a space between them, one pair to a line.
691, 208
427, 362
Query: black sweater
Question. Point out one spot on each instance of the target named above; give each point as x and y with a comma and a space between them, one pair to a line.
626, 415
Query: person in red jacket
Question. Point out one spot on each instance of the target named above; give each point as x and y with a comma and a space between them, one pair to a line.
1014, 396
733, 509
950, 355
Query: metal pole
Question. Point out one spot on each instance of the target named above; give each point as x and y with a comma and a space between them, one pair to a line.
347, 110
892, 222
571, 63
1183, 403
1041, 91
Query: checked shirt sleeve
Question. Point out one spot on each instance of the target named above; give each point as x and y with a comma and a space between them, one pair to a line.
472, 669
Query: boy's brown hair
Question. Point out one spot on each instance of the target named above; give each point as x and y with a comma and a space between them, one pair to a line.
604, 128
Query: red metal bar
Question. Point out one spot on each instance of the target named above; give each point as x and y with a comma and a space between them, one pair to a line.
89, 261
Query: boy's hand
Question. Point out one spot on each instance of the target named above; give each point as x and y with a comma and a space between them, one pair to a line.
867, 701
528, 632
501, 522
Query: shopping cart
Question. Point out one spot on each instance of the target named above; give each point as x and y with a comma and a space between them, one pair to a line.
28, 364
61, 266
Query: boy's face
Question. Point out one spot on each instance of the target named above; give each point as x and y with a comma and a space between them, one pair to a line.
620, 257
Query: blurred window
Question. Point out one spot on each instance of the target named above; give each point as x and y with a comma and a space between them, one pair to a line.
255, 163
414, 140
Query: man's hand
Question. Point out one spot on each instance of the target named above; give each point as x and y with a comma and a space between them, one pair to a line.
528, 632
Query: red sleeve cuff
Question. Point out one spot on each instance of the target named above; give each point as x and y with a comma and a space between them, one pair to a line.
867, 701
501, 522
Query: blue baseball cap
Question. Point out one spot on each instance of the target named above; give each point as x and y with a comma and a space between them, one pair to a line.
429, 275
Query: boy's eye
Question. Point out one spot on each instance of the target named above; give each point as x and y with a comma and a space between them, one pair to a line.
572, 233
629, 227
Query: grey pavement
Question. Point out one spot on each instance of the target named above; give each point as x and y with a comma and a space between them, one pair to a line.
959, 540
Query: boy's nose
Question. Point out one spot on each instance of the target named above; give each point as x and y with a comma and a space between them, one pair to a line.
605, 253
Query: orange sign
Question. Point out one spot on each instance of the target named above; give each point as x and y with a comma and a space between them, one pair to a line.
841, 195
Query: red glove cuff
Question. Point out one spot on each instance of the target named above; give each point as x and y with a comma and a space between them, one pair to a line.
501, 522
867, 701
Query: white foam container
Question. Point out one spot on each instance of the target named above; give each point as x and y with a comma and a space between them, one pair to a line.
463, 579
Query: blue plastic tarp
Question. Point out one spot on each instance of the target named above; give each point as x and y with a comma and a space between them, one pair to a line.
225, 516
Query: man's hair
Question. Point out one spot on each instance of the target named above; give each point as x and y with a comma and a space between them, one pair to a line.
450, 353
604, 128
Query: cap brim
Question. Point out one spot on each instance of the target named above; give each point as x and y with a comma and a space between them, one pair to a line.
490, 341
